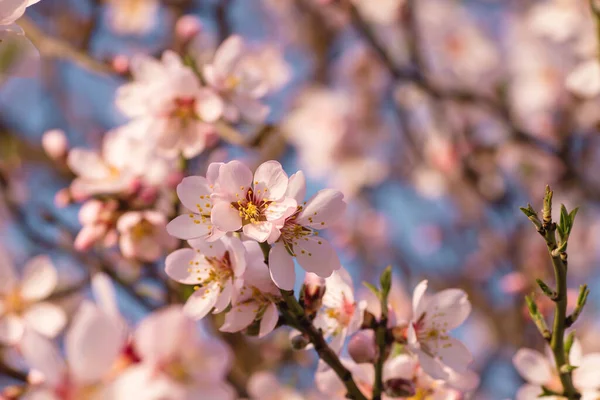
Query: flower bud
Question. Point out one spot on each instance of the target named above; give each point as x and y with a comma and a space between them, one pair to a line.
299, 342
120, 64
312, 293
187, 27
399, 387
55, 144
361, 346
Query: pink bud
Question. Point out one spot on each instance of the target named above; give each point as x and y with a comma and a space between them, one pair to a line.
174, 179
187, 27
89, 212
312, 292
120, 64
361, 346
87, 236
55, 144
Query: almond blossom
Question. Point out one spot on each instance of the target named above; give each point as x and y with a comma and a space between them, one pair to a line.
177, 362
256, 299
143, 235
214, 268
92, 345
340, 315
195, 194
122, 164
169, 106
132, 17
433, 317
540, 370
265, 386
299, 238
98, 219
241, 84
253, 204
22, 304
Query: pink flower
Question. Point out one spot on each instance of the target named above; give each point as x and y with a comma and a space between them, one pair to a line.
132, 17
169, 106
237, 82
176, 362
215, 267
265, 386
195, 194
144, 235
92, 345
254, 205
299, 237
98, 219
433, 317
256, 299
341, 315
122, 161
21, 300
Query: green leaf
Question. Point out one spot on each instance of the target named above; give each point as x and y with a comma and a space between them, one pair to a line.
569, 343
372, 288
546, 289
572, 215
386, 281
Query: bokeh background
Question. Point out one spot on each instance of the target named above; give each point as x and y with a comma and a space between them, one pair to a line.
436, 118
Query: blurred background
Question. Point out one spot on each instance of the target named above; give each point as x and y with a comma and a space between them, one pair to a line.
436, 118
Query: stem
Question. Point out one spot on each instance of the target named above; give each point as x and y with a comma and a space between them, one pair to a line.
380, 339
560, 314
292, 311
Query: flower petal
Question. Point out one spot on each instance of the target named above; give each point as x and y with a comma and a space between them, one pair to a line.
179, 266
323, 209
11, 329
316, 255
234, 179
270, 181
39, 278
297, 187
224, 297
47, 319
225, 217
281, 267
194, 193
586, 376
533, 366
188, 226
259, 231
239, 317
200, 303
269, 320
209, 105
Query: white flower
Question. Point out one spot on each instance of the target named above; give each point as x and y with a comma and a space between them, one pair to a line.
265, 386
428, 331
299, 237
21, 300
92, 345
254, 204
18, 54
195, 194
177, 362
540, 370
256, 299
132, 17
169, 106
340, 315
240, 83
584, 80
144, 235
214, 267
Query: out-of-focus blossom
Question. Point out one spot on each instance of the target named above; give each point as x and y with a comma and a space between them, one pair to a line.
240, 84
514, 282
254, 204
299, 238
92, 346
265, 386
558, 20
187, 27
433, 318
195, 194
169, 106
328, 383
132, 17
399, 310
275, 71
22, 300
341, 315
334, 139
256, 299
98, 219
584, 80
214, 268
381, 12
124, 162
540, 370
361, 346
143, 235
17, 53
177, 362
55, 144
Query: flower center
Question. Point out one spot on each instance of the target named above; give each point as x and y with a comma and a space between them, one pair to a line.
14, 303
185, 108
142, 229
251, 209
232, 81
